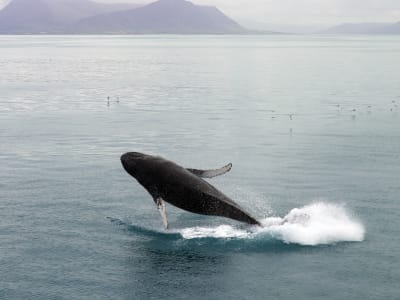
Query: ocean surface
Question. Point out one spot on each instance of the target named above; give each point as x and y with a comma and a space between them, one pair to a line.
310, 123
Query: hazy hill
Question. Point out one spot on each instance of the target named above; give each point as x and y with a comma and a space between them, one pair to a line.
163, 16
394, 28
36, 16
365, 28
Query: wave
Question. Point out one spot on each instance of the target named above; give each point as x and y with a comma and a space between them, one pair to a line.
311, 225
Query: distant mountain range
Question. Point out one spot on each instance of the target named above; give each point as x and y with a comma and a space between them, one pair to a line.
87, 17
162, 16
365, 28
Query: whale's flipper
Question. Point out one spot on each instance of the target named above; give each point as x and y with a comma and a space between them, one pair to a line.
161, 208
211, 173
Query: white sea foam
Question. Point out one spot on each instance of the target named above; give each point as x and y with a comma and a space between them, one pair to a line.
314, 224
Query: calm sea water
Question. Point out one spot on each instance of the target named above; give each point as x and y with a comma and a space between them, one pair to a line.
311, 125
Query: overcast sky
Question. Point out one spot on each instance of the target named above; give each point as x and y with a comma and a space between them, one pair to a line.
302, 11
306, 11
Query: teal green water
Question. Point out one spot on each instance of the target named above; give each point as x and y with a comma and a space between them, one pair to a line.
310, 123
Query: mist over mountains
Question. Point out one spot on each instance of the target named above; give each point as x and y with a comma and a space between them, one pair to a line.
85, 16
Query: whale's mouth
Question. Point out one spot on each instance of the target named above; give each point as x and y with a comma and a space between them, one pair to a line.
127, 162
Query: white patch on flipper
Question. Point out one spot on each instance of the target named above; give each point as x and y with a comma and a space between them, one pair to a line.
315, 224
161, 208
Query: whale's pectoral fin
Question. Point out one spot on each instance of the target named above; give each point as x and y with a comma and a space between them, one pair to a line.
161, 208
211, 173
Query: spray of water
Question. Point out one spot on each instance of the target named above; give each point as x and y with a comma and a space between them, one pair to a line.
315, 224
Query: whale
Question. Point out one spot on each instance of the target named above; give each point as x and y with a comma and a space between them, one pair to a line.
185, 188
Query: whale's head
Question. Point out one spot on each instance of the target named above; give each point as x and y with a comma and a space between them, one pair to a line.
133, 162
144, 168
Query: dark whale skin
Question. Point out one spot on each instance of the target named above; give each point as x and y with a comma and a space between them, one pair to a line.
181, 188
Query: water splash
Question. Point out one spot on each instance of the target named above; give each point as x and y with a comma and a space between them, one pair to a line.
314, 224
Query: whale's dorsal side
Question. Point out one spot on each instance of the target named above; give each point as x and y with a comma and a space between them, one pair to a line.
211, 173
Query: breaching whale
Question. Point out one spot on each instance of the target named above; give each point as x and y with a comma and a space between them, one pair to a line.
184, 188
